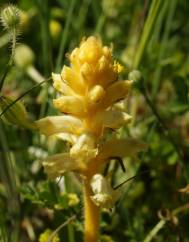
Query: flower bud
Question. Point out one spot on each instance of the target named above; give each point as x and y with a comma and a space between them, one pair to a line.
55, 29
104, 195
24, 56
10, 17
118, 67
96, 94
16, 114
135, 75
86, 72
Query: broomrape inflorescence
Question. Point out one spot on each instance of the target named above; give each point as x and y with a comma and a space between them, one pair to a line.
89, 90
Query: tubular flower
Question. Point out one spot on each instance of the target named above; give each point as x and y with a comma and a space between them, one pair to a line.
104, 195
88, 93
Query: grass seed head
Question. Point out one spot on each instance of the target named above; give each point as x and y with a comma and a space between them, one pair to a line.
10, 17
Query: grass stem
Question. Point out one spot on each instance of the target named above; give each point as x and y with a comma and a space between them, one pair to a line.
152, 16
161, 223
65, 36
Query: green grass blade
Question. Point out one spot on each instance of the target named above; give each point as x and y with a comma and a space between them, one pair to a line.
65, 36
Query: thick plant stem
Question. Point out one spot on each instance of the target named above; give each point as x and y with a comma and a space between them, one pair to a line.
92, 216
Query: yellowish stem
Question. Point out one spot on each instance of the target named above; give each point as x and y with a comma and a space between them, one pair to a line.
92, 216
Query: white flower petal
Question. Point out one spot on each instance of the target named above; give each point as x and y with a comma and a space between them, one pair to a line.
113, 119
58, 124
120, 148
57, 165
84, 149
99, 184
71, 138
104, 195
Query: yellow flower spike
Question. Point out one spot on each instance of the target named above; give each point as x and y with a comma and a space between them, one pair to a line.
89, 90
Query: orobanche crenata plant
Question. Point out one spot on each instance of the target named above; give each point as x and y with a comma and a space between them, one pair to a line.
89, 92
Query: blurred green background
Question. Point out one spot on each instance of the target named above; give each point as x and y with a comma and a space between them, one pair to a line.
149, 36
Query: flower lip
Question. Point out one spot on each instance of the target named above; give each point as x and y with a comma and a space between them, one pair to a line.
103, 194
60, 124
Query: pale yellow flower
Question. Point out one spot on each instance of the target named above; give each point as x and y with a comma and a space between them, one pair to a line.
88, 91
103, 194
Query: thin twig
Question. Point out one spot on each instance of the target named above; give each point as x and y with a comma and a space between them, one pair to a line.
129, 179
5, 72
155, 230
11, 59
162, 222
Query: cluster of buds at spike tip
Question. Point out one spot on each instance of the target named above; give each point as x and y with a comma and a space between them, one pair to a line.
88, 91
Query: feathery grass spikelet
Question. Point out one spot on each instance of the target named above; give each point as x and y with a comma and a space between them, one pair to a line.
10, 17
